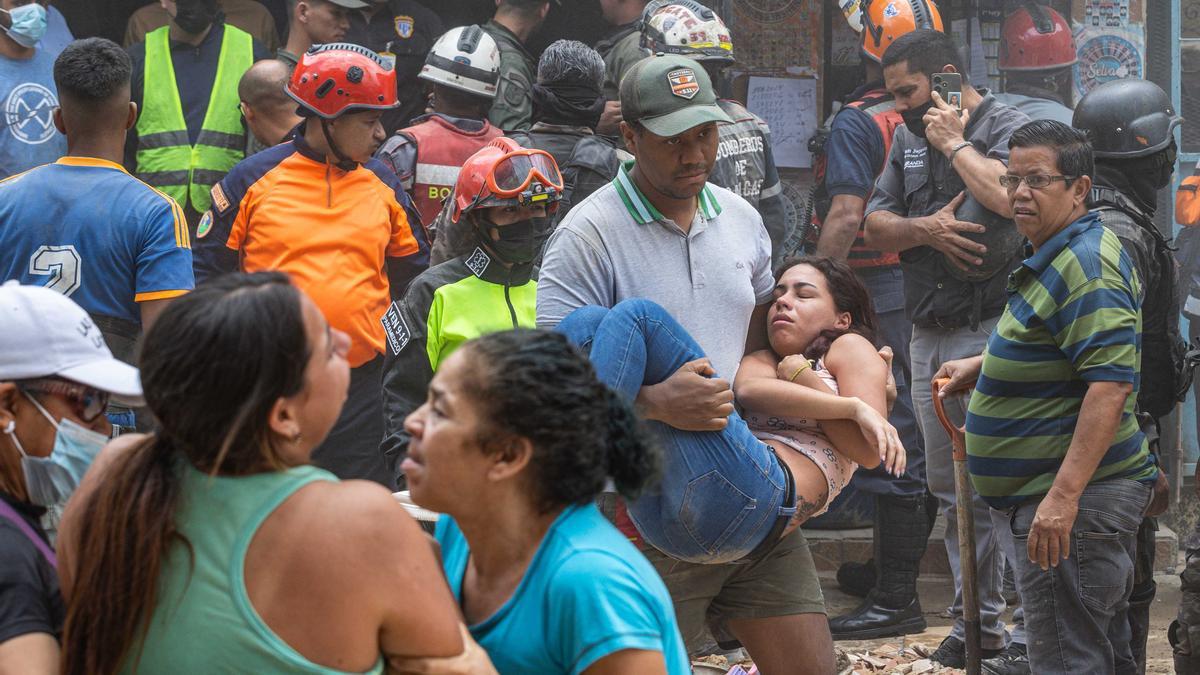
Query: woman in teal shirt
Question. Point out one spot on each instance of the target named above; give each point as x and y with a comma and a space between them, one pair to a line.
213, 546
514, 443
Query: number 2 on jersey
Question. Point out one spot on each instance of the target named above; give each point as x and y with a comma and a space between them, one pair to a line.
62, 264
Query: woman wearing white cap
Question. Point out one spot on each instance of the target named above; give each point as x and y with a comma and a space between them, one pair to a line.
56, 376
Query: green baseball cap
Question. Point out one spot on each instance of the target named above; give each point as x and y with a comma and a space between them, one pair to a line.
669, 94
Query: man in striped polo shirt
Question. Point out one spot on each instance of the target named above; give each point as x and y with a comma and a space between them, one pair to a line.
1051, 432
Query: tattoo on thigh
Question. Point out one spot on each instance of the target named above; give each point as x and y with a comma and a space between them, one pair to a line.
804, 509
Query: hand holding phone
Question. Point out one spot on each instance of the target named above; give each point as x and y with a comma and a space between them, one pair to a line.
949, 87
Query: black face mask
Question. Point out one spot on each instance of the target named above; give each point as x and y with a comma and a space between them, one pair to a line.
1165, 166
194, 17
914, 119
518, 243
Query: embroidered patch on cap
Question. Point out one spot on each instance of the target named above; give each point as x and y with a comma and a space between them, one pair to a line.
404, 26
205, 225
397, 331
219, 199
683, 83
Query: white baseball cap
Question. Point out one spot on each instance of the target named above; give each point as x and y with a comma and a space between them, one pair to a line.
46, 334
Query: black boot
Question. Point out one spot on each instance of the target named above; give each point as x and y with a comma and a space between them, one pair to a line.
892, 607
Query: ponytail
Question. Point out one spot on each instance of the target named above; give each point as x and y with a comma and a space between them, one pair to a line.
633, 463
118, 556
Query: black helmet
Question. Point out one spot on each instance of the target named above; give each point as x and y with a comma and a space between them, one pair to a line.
1002, 239
1126, 118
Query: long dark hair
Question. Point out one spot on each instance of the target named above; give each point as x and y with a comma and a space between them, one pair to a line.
535, 384
213, 366
849, 295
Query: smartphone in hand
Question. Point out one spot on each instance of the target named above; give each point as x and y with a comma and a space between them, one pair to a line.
949, 87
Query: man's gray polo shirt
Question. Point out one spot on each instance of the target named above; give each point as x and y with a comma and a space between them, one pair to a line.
616, 246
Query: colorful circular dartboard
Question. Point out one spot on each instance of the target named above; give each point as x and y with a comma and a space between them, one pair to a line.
768, 11
1104, 58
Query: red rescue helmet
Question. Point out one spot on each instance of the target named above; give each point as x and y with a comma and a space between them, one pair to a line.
504, 173
1036, 38
333, 79
886, 20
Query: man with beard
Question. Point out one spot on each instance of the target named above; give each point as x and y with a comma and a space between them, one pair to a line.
189, 130
954, 286
662, 232
336, 221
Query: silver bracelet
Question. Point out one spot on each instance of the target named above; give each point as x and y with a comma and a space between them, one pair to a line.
955, 149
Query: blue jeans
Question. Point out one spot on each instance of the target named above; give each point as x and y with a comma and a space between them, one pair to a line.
1075, 613
721, 492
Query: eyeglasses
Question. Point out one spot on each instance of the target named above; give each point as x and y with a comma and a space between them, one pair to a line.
89, 403
1036, 181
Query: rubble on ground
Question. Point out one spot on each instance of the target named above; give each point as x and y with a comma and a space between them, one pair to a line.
908, 659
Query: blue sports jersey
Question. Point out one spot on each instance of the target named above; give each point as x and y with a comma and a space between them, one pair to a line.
87, 229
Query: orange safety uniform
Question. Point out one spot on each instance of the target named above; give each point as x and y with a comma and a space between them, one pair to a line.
346, 238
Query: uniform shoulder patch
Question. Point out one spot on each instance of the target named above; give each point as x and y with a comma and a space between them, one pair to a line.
205, 225
478, 262
398, 333
219, 200
405, 26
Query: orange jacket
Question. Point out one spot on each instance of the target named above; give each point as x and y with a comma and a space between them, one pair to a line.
344, 237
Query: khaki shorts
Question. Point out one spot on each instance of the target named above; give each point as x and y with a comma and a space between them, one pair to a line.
782, 583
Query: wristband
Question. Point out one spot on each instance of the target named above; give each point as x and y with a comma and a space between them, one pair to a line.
956, 148
799, 370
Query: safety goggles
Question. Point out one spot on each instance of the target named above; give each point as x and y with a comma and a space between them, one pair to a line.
88, 403
529, 176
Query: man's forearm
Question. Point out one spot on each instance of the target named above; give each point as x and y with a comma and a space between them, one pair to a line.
841, 226
1095, 429
982, 178
891, 233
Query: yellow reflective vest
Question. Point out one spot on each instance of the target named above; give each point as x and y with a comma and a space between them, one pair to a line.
165, 157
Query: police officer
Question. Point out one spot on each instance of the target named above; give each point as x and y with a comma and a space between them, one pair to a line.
1130, 124
405, 30
622, 47
512, 26
939, 203
852, 155
1037, 53
463, 68
744, 161
187, 137
567, 107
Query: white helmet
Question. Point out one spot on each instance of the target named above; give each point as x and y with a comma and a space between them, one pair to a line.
465, 58
685, 27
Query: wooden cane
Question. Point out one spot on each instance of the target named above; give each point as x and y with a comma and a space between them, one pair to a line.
966, 531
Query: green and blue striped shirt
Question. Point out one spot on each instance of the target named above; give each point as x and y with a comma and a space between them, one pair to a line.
1072, 318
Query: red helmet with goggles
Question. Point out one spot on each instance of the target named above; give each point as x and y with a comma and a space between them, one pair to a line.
503, 173
333, 79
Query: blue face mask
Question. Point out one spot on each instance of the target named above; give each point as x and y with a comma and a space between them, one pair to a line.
28, 24
52, 480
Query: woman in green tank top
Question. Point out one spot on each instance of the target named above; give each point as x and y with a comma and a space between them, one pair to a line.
213, 545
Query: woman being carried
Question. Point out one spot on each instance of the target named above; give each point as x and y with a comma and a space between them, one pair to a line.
726, 495
821, 328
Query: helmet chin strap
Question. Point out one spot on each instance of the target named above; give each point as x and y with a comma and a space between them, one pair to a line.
344, 163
